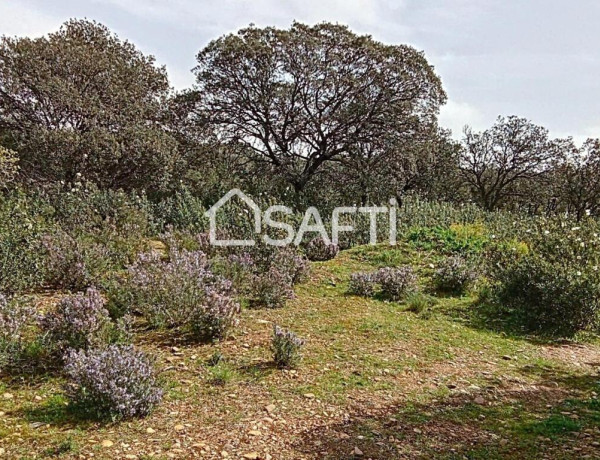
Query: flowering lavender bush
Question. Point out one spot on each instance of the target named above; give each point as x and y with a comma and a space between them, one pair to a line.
80, 321
286, 347
218, 315
290, 261
318, 250
74, 264
454, 275
271, 289
396, 283
183, 291
65, 265
15, 317
362, 284
118, 382
266, 274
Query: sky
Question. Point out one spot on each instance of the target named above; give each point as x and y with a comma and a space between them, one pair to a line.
537, 59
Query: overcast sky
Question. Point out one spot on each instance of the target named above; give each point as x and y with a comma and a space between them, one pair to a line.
538, 59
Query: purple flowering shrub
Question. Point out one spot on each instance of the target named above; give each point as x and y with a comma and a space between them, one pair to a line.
117, 382
362, 284
218, 315
266, 274
319, 250
15, 318
75, 264
454, 274
183, 291
65, 265
290, 261
80, 321
396, 283
271, 289
286, 347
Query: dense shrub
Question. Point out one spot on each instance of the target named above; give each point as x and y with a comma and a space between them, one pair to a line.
288, 260
23, 222
362, 284
80, 322
219, 314
318, 249
117, 382
182, 291
265, 274
286, 348
454, 274
396, 283
271, 289
554, 288
15, 317
65, 265
9, 167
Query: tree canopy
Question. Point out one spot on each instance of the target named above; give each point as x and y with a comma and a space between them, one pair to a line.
308, 95
82, 102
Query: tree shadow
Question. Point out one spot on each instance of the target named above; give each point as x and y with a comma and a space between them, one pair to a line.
257, 370
496, 422
55, 411
491, 317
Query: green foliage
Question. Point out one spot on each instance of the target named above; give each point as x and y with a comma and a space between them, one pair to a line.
9, 167
93, 110
419, 302
23, 221
461, 239
554, 288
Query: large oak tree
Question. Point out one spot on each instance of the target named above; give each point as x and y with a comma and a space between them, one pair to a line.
495, 162
81, 103
308, 95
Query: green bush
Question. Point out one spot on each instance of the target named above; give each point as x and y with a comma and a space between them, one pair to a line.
554, 288
454, 275
23, 222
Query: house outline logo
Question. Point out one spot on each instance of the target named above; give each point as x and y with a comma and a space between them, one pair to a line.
212, 215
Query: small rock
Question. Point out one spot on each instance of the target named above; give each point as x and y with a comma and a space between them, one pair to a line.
270, 408
479, 400
150, 430
130, 456
179, 427
309, 395
252, 456
7, 396
254, 433
507, 358
357, 452
224, 454
107, 443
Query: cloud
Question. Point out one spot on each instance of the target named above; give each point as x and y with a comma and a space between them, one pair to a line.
20, 19
456, 115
